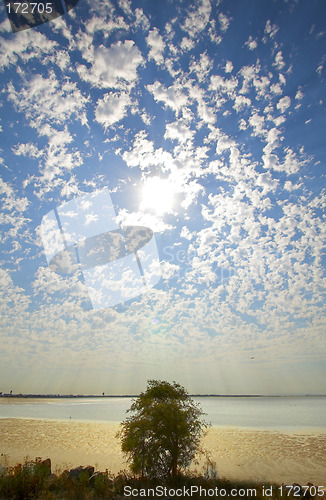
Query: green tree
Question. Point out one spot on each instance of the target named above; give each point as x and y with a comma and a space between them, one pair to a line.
162, 436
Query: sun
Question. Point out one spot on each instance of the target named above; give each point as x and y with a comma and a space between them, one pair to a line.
157, 195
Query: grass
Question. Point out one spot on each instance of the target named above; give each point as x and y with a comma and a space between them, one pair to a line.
34, 480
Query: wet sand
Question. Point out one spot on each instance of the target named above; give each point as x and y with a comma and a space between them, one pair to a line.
239, 453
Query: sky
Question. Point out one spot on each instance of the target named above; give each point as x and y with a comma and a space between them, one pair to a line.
183, 141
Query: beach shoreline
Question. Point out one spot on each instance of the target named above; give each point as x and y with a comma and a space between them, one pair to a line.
239, 453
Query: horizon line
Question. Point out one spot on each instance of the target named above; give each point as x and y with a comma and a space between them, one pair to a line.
199, 395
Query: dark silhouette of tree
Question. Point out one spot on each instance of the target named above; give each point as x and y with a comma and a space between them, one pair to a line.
162, 436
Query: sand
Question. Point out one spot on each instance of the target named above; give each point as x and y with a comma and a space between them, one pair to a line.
239, 453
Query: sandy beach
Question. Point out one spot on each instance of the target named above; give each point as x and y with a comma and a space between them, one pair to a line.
238, 453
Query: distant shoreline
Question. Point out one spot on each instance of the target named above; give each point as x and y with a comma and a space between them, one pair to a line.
69, 396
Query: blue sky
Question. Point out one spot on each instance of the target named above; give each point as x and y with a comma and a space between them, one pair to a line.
205, 122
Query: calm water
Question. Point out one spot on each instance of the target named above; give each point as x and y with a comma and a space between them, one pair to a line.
287, 413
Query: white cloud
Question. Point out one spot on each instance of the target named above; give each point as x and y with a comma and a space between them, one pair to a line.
299, 95
243, 124
319, 70
267, 182
173, 96
224, 143
279, 120
224, 21
141, 19
251, 43
226, 85
56, 160
143, 218
291, 164
271, 161
206, 112
178, 131
169, 270
240, 102
48, 100
192, 190
187, 44
257, 122
156, 45
279, 62
289, 186
30, 44
202, 67
104, 25
12, 202
270, 29
27, 149
282, 79
198, 18
276, 88
272, 139
261, 85
126, 6
248, 73
283, 104
112, 108
13, 297
114, 67
228, 67
185, 233
141, 152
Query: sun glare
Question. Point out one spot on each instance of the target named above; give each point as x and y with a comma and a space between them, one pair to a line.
157, 195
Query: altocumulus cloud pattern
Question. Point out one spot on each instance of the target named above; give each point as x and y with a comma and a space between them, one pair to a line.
208, 130
117, 263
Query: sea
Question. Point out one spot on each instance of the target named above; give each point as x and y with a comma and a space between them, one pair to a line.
266, 412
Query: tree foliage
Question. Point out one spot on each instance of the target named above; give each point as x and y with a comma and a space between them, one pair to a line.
163, 434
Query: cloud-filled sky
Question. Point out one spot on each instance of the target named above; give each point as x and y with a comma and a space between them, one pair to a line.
204, 121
